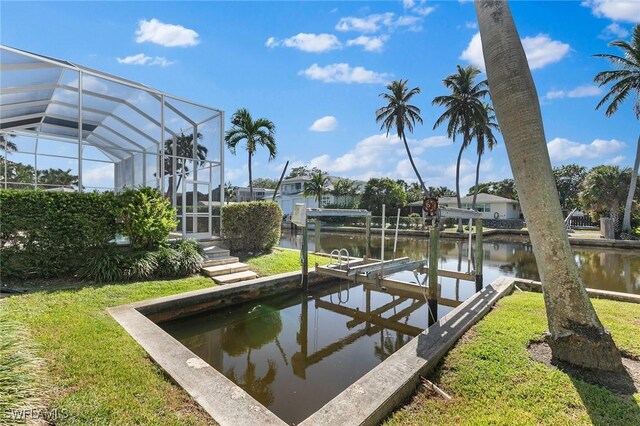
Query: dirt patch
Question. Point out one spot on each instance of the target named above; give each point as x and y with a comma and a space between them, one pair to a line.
620, 383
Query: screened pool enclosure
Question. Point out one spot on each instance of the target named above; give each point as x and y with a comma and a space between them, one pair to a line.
131, 136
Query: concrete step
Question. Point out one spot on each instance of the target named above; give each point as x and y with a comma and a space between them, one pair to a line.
229, 268
215, 252
235, 277
209, 243
219, 261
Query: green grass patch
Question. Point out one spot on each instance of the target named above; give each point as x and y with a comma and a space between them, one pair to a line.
493, 380
100, 374
280, 261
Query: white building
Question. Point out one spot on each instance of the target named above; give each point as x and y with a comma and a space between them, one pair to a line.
292, 192
244, 194
491, 206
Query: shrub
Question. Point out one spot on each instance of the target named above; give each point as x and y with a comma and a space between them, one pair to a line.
47, 233
113, 263
252, 226
146, 217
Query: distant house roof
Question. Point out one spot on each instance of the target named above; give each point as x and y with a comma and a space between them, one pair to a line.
481, 199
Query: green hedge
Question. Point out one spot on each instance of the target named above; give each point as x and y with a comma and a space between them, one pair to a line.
252, 226
48, 233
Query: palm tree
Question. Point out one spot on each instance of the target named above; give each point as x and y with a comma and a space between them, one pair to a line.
483, 132
258, 132
6, 144
57, 178
464, 107
399, 113
603, 189
315, 187
626, 81
576, 333
184, 154
229, 192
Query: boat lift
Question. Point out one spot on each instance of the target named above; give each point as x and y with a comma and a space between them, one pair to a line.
374, 272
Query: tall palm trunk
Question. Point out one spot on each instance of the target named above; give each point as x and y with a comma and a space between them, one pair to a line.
475, 189
577, 336
458, 181
415, 169
626, 221
250, 179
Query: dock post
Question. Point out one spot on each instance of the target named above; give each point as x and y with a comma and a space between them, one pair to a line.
305, 259
316, 232
479, 255
432, 294
368, 237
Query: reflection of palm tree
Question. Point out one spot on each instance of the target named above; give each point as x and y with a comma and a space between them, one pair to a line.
184, 153
257, 387
262, 326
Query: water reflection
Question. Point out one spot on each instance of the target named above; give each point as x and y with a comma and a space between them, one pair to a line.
295, 352
605, 269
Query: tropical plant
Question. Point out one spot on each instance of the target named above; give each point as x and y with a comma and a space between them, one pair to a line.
464, 107
569, 179
576, 333
265, 183
441, 191
483, 129
382, 191
181, 149
6, 144
603, 190
400, 114
57, 178
625, 82
229, 192
344, 188
316, 187
260, 132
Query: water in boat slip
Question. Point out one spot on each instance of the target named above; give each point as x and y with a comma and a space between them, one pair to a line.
294, 352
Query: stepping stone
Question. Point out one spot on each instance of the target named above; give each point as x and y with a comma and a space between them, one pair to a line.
235, 277
220, 261
225, 269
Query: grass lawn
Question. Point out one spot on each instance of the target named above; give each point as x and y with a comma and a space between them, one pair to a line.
95, 373
493, 381
281, 260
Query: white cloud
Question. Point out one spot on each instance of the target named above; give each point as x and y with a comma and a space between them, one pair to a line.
234, 175
584, 91
370, 44
139, 59
616, 10
325, 124
343, 73
418, 7
471, 25
315, 43
142, 59
374, 23
613, 30
540, 51
168, 35
99, 176
616, 161
561, 149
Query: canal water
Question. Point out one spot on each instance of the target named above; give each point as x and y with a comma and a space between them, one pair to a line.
296, 351
605, 269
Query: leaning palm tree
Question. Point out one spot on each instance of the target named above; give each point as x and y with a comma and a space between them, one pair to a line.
483, 129
463, 108
576, 334
626, 81
399, 114
259, 132
315, 187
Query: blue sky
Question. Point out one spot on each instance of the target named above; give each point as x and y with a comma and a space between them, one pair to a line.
316, 69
